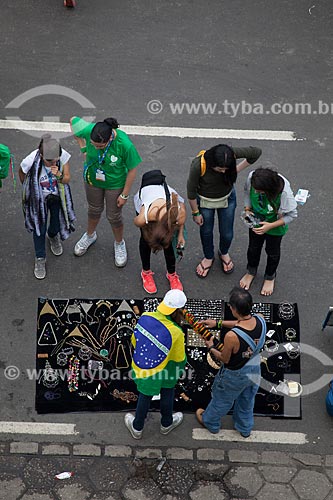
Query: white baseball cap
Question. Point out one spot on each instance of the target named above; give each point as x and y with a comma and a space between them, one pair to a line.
173, 300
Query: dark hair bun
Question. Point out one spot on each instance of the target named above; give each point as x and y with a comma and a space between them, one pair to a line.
112, 122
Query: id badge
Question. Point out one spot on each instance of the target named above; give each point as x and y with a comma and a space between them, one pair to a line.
100, 175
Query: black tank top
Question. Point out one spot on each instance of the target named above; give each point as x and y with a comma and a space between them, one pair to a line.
239, 359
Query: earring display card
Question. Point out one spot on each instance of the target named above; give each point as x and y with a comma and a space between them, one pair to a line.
84, 355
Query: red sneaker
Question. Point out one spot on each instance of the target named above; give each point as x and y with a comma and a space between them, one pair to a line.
148, 282
175, 283
70, 3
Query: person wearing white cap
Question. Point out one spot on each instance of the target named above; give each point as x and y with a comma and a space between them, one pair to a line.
158, 361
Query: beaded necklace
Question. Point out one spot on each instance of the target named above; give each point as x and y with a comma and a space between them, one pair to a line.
73, 374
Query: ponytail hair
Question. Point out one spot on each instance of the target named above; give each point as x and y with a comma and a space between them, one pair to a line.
102, 131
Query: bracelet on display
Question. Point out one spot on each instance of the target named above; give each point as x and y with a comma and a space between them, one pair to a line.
271, 345
60, 177
202, 330
124, 196
290, 334
195, 214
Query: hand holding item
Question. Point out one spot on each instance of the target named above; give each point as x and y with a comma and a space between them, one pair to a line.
181, 242
210, 323
209, 343
55, 171
264, 227
198, 219
121, 200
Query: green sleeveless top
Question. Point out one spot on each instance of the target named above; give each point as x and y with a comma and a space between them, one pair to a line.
265, 212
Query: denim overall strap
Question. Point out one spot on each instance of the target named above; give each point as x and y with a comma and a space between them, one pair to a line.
255, 347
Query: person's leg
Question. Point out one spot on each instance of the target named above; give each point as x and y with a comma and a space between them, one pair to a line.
166, 406
114, 213
224, 392
53, 232
141, 411
206, 232
256, 242
226, 217
207, 241
170, 259
40, 252
145, 252
273, 251
172, 276
95, 199
54, 206
244, 404
39, 243
147, 274
243, 410
114, 216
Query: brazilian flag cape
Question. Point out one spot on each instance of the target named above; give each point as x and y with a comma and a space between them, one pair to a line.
159, 353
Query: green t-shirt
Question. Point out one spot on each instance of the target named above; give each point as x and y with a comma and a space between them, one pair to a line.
264, 211
106, 168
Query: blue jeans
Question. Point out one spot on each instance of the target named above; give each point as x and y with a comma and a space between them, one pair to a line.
53, 206
238, 388
226, 227
166, 408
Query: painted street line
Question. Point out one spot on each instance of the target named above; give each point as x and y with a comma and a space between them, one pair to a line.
37, 428
270, 437
180, 132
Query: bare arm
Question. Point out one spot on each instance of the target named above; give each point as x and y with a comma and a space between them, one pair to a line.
242, 165
139, 220
231, 346
21, 175
64, 176
197, 217
127, 188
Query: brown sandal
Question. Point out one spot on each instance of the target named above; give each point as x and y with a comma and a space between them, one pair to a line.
227, 264
204, 269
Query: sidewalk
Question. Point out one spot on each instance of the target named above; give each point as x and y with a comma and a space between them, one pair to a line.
27, 471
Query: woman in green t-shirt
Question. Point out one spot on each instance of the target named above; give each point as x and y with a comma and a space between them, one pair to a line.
109, 171
268, 196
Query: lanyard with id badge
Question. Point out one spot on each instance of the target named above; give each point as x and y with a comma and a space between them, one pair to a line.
100, 174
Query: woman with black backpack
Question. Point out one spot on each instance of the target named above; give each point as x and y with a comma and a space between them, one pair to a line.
161, 218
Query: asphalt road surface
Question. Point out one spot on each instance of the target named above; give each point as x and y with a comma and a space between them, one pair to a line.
266, 65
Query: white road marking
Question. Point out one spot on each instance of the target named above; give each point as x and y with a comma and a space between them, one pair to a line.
37, 428
181, 132
270, 437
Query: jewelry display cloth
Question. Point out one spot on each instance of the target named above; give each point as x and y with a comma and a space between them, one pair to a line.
84, 356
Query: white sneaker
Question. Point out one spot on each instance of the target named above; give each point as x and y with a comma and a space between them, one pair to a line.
177, 420
84, 243
129, 418
40, 268
55, 244
120, 254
